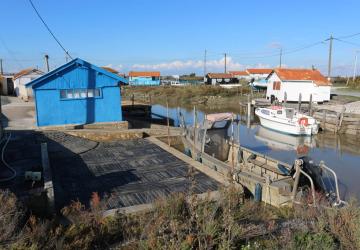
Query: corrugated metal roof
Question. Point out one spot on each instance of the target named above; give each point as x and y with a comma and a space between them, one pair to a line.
302, 75
145, 73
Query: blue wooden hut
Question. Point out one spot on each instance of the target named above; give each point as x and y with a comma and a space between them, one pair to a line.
77, 93
144, 78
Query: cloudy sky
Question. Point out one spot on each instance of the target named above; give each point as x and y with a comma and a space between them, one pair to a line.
171, 36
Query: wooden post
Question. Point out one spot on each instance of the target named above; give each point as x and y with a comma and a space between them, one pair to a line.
168, 122
150, 99
249, 108
233, 147
194, 147
310, 105
132, 100
299, 103
324, 120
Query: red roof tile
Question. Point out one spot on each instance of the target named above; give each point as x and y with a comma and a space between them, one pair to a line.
239, 73
145, 73
302, 75
259, 71
26, 72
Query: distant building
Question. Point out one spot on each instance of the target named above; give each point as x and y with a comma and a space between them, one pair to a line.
292, 82
7, 85
240, 75
258, 74
24, 77
77, 93
111, 70
144, 78
220, 79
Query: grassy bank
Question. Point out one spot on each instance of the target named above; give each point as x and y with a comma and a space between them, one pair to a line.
177, 223
203, 97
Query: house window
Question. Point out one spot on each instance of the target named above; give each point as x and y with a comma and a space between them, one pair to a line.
90, 93
276, 85
97, 92
79, 93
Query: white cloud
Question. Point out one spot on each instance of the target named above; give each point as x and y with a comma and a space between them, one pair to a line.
116, 67
211, 65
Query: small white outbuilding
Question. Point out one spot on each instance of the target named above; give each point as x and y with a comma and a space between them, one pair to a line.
22, 78
288, 84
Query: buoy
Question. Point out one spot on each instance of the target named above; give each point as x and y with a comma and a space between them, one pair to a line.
304, 121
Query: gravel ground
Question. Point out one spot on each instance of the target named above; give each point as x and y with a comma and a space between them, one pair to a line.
17, 114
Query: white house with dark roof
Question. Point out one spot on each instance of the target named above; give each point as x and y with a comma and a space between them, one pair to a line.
290, 83
220, 79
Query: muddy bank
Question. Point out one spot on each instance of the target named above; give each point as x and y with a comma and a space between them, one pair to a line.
205, 98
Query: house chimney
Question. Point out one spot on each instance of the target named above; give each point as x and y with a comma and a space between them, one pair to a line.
47, 63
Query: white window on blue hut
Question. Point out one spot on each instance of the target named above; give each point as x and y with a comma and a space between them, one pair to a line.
66, 94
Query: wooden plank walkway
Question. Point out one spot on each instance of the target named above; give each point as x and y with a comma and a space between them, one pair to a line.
126, 173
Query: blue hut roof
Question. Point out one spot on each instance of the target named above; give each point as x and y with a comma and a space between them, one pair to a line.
77, 61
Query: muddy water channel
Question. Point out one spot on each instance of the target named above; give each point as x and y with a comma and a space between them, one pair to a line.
339, 152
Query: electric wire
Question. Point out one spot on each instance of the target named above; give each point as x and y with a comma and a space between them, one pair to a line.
47, 27
349, 36
347, 42
5, 163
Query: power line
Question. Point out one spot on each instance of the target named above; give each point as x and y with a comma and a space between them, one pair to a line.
351, 43
14, 58
47, 27
348, 36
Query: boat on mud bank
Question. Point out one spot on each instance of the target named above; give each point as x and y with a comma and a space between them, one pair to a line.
266, 179
287, 120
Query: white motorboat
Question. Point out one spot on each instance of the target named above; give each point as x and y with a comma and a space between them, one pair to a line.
287, 120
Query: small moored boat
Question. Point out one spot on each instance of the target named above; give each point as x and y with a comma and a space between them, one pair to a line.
287, 120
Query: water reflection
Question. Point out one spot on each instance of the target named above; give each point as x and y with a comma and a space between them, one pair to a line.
340, 153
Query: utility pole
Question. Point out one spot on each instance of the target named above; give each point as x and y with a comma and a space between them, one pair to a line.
1, 67
205, 64
330, 55
47, 62
225, 63
355, 65
280, 56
